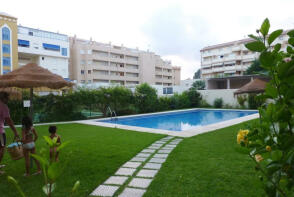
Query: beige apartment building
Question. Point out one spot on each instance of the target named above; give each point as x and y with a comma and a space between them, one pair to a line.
93, 62
231, 58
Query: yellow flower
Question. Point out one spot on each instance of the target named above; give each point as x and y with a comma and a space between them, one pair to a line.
242, 136
258, 158
268, 148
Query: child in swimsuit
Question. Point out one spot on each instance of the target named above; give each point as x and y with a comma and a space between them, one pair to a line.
53, 151
29, 136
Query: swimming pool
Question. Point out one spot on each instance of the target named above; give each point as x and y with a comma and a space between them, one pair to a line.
180, 121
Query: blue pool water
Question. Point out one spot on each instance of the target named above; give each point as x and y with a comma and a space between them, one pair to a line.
180, 121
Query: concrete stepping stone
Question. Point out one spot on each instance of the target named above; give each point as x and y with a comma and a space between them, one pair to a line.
157, 160
147, 173
160, 156
174, 143
167, 148
131, 164
116, 180
153, 147
132, 192
164, 151
125, 171
148, 151
156, 145
142, 159
155, 166
170, 146
143, 155
140, 182
160, 142
104, 190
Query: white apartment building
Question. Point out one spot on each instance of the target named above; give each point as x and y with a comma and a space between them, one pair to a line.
47, 49
231, 58
94, 62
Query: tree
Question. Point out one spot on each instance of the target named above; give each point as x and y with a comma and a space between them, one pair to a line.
145, 98
194, 97
255, 68
199, 85
197, 74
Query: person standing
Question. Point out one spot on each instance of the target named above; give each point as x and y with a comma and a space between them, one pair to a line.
4, 118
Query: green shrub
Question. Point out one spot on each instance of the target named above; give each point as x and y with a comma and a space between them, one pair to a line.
271, 142
194, 97
241, 100
254, 102
145, 98
218, 103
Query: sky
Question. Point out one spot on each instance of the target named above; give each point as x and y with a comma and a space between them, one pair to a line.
175, 29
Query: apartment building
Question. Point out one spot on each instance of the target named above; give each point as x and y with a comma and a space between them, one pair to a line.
8, 43
21, 45
230, 59
93, 62
47, 49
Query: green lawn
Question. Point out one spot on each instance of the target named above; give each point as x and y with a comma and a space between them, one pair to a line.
94, 154
210, 164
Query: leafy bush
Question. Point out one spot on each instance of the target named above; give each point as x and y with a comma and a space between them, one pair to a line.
254, 102
218, 103
199, 85
194, 97
145, 98
271, 142
241, 100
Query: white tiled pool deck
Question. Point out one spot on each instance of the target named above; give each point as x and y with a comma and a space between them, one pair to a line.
186, 133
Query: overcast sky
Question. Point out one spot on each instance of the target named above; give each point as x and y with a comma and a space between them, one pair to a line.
174, 29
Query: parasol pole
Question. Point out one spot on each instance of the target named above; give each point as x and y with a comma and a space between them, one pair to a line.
31, 104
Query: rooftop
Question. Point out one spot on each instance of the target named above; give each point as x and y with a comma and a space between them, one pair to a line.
7, 15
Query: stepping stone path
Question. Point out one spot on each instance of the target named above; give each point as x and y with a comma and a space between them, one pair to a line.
134, 177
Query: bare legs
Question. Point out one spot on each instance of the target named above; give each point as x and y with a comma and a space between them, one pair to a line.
2, 150
26, 153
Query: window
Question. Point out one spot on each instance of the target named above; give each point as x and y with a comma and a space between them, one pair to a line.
31, 33
83, 62
89, 71
6, 61
6, 48
43, 58
82, 52
82, 81
89, 62
82, 72
89, 51
89, 81
51, 47
167, 90
5, 34
64, 51
23, 43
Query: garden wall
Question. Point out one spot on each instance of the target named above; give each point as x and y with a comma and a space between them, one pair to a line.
226, 94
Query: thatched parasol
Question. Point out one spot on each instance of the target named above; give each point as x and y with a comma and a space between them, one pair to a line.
32, 76
255, 86
14, 93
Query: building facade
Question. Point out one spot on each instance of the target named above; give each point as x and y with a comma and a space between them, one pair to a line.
230, 59
47, 49
8, 43
93, 62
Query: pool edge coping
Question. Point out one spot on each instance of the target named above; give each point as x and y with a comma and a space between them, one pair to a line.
187, 133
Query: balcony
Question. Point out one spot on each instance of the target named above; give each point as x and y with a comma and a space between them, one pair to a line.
100, 57
100, 67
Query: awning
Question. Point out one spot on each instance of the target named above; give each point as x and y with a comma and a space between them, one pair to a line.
24, 43
51, 47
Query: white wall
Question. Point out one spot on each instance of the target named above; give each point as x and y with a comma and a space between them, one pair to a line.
226, 94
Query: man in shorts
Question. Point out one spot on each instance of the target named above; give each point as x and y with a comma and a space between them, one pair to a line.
4, 118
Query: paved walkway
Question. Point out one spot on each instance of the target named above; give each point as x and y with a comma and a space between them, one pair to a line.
134, 177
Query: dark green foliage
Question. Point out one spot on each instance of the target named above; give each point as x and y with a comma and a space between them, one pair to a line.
199, 85
254, 68
197, 74
241, 100
145, 98
218, 103
273, 139
194, 97
254, 102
